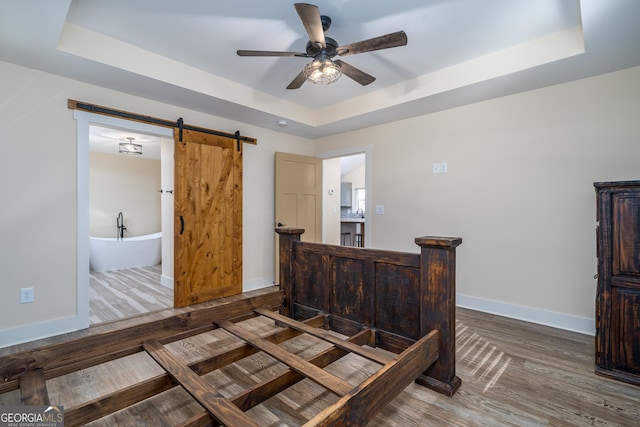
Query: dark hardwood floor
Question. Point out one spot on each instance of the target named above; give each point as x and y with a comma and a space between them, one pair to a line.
513, 374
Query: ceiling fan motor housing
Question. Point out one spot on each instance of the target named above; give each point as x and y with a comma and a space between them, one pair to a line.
326, 22
330, 51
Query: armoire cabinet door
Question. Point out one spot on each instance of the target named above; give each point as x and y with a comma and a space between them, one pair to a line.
618, 293
626, 325
626, 233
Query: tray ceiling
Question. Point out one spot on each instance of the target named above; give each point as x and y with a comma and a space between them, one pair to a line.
183, 53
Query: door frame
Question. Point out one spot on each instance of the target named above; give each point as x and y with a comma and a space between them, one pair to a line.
367, 150
83, 121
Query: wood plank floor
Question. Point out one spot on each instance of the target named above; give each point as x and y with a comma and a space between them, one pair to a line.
115, 295
513, 374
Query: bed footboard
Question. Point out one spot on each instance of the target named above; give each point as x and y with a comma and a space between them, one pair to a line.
401, 302
400, 296
221, 403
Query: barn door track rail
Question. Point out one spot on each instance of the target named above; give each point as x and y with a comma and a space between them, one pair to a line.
179, 124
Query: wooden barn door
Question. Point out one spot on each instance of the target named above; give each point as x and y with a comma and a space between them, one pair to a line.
208, 217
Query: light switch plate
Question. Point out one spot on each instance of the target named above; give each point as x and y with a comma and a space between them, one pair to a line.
26, 295
436, 168
379, 209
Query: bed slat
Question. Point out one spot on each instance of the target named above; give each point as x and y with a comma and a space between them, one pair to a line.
359, 406
222, 409
298, 364
322, 334
112, 402
230, 355
267, 389
117, 400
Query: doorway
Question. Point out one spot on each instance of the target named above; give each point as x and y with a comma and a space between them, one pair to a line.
347, 197
352, 200
204, 161
130, 193
84, 122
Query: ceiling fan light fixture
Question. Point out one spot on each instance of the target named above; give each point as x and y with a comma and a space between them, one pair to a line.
322, 71
130, 147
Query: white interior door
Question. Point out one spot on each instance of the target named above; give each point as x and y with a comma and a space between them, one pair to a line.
298, 193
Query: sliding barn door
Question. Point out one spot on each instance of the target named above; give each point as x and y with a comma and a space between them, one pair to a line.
208, 218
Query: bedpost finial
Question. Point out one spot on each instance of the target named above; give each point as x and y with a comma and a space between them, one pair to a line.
438, 242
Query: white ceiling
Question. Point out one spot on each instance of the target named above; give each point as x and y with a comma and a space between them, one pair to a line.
350, 163
183, 53
103, 139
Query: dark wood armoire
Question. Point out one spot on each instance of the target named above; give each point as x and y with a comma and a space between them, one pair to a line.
618, 295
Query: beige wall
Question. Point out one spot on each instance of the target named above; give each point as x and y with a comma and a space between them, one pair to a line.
331, 202
519, 190
38, 218
120, 183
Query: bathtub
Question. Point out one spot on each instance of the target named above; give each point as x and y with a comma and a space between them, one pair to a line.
107, 254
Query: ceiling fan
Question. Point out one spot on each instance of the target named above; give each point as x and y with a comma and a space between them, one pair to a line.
324, 70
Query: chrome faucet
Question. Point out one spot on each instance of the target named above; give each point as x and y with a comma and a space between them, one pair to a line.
120, 226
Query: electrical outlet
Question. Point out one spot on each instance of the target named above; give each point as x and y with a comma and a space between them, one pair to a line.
26, 295
436, 168
443, 167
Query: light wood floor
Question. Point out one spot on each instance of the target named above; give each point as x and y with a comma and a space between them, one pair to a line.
513, 374
115, 295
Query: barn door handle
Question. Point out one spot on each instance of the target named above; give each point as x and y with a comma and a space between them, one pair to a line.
181, 224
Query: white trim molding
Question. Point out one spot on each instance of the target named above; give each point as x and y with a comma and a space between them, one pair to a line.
166, 281
40, 330
583, 325
254, 284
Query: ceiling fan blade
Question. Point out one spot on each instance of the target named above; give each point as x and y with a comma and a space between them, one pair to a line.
310, 17
354, 73
270, 53
382, 42
298, 81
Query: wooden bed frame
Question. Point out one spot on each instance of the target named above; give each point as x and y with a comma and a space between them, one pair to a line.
401, 302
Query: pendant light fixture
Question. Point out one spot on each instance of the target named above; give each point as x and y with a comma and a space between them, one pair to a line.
130, 147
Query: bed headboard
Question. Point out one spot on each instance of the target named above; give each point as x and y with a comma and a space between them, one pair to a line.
401, 296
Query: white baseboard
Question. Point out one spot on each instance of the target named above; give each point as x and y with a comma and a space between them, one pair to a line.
36, 331
252, 285
583, 325
166, 281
